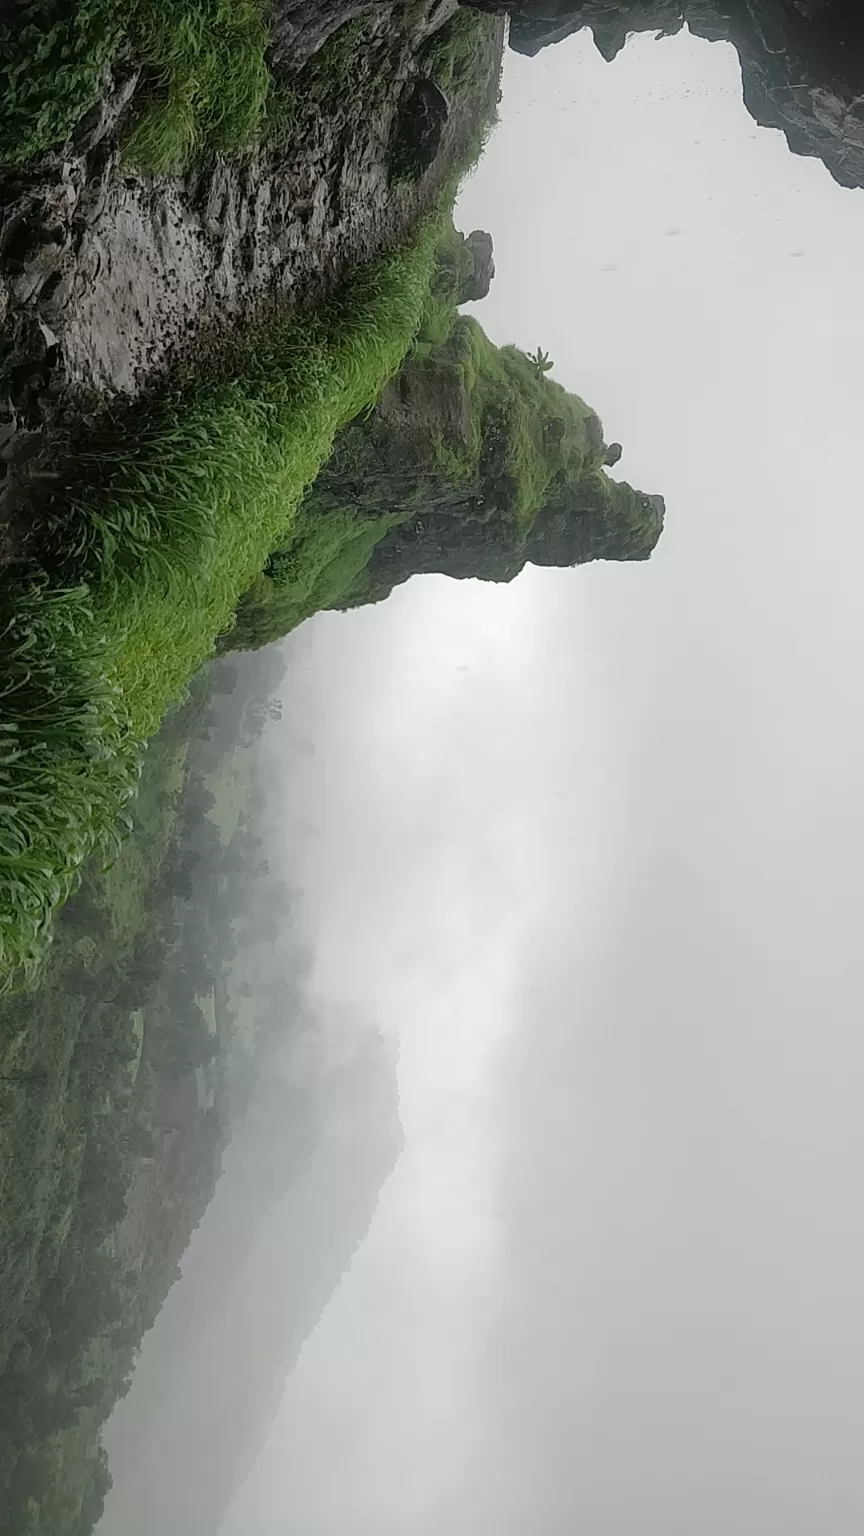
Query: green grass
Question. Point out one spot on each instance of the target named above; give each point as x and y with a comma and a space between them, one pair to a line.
204, 74
78, 1082
148, 553
328, 552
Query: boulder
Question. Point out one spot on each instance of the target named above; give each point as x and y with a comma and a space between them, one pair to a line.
477, 277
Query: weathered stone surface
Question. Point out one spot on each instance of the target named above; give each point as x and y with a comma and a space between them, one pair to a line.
302, 27
802, 61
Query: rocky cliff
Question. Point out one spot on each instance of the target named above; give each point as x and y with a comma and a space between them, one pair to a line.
473, 464
111, 272
802, 61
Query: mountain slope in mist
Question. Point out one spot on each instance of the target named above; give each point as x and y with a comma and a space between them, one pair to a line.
280, 1233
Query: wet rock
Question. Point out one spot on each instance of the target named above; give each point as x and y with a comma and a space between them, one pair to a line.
33, 253
302, 27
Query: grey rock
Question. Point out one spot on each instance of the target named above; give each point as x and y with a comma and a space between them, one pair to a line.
476, 283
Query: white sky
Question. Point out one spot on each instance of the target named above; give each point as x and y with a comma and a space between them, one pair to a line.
591, 847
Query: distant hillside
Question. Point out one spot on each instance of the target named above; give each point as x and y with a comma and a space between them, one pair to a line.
121, 1077
277, 1238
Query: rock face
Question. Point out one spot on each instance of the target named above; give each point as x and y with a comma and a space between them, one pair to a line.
501, 471
108, 276
302, 27
802, 61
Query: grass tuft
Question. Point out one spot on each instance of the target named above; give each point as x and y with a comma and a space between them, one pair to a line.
204, 83
209, 77
67, 764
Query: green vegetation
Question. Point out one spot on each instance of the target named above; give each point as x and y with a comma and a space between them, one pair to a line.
206, 60
52, 53
139, 564
454, 264
327, 555
512, 406
169, 514
66, 1135
205, 77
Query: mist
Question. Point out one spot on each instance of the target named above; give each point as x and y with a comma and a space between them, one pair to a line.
581, 853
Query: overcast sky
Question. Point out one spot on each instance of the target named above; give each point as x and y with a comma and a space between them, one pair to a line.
591, 847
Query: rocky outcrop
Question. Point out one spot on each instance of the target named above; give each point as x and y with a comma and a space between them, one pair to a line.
474, 517
802, 61
498, 465
473, 464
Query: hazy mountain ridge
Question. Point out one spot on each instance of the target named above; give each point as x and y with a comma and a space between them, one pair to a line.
207, 1386
802, 61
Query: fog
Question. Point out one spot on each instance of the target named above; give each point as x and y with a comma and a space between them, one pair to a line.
586, 850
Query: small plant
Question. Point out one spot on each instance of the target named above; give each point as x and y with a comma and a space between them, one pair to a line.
541, 361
